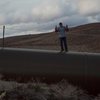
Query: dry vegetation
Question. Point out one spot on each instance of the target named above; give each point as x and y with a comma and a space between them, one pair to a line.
41, 91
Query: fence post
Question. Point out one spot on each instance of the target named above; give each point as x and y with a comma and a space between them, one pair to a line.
3, 37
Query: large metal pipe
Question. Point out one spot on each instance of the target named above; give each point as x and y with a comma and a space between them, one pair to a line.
74, 66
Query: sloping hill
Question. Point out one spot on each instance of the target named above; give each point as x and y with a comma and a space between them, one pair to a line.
84, 38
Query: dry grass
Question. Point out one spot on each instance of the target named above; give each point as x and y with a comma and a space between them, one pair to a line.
37, 90
41, 91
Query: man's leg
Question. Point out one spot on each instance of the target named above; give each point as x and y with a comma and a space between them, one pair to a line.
61, 44
65, 44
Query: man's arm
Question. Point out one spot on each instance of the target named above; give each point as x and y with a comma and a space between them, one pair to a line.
66, 28
56, 29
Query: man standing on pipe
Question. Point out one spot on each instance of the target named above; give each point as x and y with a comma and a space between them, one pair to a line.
62, 36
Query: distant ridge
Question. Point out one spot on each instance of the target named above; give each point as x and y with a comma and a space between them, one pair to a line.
83, 38
87, 27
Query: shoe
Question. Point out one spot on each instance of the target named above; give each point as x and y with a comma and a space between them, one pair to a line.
66, 50
61, 51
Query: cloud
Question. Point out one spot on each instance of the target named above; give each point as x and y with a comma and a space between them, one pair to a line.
40, 11
2, 19
49, 10
89, 7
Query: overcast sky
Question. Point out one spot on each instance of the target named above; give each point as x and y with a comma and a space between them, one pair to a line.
36, 16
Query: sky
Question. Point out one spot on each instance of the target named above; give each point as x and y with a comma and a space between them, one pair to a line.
36, 16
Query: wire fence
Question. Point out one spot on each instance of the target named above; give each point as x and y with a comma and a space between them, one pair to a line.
13, 31
7, 31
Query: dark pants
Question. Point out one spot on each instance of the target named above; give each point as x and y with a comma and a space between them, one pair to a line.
63, 44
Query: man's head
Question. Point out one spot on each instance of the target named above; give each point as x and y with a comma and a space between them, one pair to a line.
60, 24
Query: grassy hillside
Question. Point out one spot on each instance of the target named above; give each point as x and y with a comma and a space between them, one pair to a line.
84, 38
